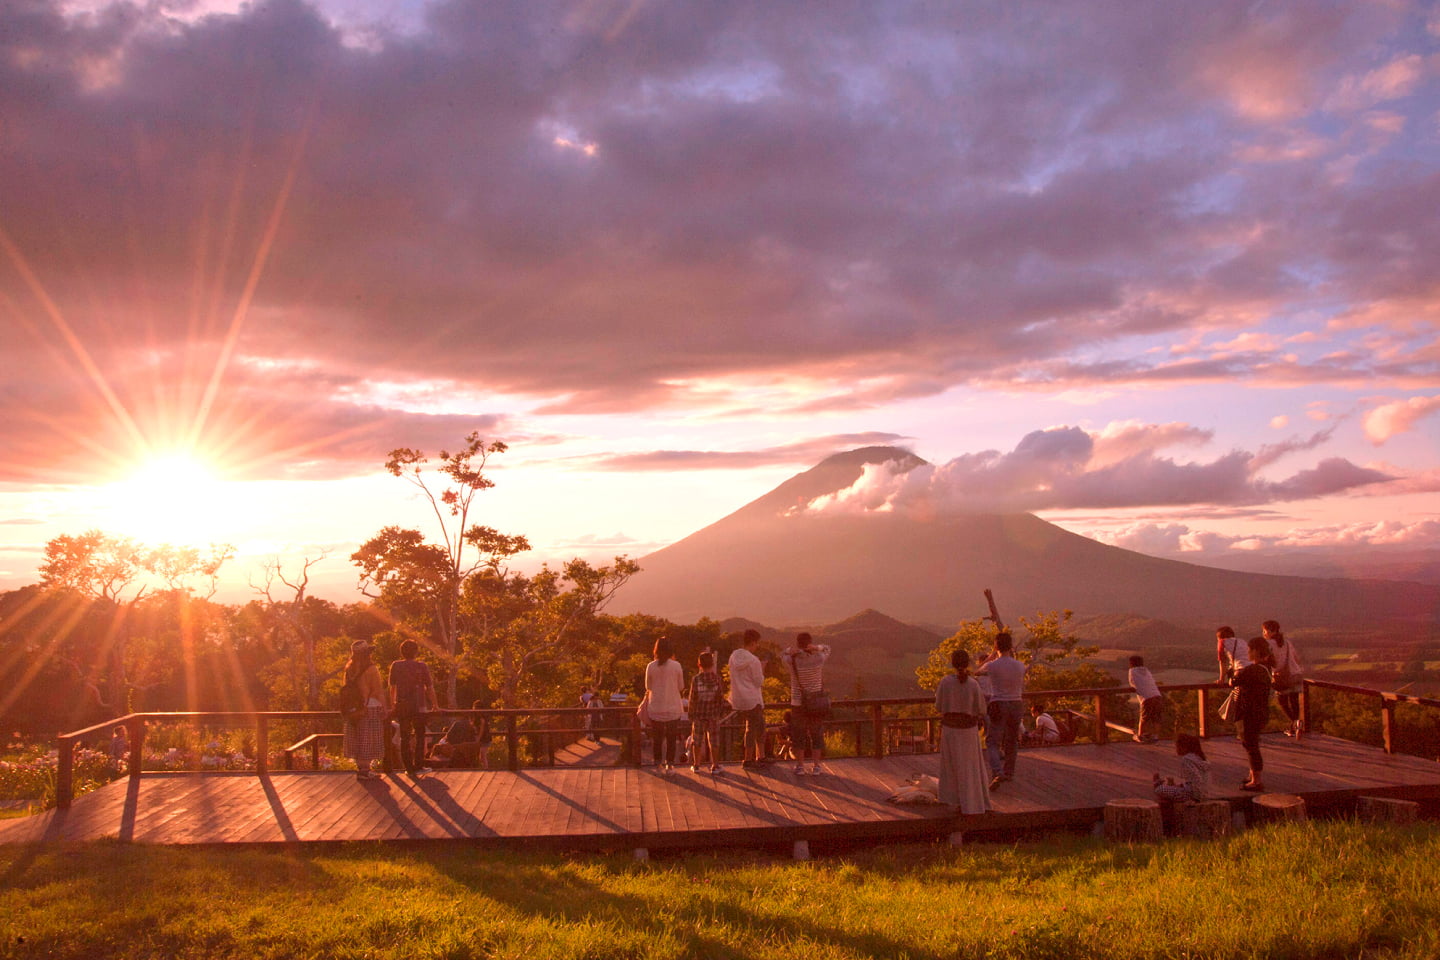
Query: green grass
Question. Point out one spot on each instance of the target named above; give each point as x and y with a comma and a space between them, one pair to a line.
1322, 890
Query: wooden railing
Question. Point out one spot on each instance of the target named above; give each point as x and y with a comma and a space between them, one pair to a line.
872, 716
1388, 702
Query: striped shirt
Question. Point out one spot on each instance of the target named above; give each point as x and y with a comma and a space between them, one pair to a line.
805, 670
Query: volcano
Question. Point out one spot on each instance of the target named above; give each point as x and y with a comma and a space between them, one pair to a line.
775, 562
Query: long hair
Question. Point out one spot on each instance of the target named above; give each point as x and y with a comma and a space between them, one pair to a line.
356, 665
664, 649
960, 660
1272, 627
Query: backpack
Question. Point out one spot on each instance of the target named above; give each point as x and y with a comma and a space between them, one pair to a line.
352, 704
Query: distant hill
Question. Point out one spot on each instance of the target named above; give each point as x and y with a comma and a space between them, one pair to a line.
774, 563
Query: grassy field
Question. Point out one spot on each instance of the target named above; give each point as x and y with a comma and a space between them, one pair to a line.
1320, 890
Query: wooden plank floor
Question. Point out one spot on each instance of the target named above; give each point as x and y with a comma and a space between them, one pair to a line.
621, 807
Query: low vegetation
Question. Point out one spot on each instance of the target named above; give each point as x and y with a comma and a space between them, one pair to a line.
1334, 889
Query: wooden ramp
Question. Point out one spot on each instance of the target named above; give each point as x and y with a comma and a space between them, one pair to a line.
623, 808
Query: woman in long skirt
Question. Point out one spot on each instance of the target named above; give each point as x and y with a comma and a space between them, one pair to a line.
365, 736
961, 707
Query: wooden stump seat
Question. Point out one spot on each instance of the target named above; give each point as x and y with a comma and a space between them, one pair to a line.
1133, 820
1279, 807
1205, 819
1387, 810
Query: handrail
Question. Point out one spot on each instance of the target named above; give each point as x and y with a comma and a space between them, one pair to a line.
621, 719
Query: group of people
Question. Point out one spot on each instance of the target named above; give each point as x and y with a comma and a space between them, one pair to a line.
991, 698
669, 706
398, 707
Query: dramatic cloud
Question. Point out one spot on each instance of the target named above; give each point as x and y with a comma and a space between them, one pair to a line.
1182, 542
1058, 469
226, 228
1387, 420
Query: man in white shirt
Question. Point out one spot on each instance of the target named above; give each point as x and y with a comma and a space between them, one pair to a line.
747, 696
1007, 705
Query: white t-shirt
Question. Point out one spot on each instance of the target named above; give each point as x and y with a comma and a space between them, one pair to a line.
1143, 682
1047, 729
747, 680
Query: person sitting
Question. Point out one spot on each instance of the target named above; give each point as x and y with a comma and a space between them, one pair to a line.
1046, 731
462, 744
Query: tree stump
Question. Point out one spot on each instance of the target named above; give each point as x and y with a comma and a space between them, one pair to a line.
1206, 819
1387, 810
1279, 807
1133, 820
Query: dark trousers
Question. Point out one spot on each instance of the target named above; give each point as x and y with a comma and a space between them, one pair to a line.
667, 734
1250, 727
1150, 710
1290, 704
412, 741
754, 732
1010, 714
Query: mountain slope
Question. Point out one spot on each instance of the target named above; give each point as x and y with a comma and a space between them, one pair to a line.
770, 562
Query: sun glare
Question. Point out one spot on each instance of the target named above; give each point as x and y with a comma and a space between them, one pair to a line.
173, 499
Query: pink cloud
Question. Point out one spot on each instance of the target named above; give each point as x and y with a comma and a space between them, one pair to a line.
1399, 416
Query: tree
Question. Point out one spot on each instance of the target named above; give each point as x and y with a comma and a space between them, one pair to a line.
421, 581
292, 616
1045, 645
525, 626
101, 568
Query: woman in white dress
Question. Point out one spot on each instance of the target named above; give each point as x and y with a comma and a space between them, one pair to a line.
961, 706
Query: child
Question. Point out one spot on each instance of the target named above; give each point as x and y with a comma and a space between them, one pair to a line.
1151, 702
1195, 770
706, 705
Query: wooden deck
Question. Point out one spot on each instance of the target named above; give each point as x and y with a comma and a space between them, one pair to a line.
622, 808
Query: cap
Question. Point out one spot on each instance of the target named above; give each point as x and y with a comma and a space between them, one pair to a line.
359, 646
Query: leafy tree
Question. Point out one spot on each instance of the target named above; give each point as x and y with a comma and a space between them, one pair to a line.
523, 627
1045, 646
422, 582
102, 568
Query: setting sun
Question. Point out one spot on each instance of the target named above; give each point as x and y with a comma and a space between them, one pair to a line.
171, 499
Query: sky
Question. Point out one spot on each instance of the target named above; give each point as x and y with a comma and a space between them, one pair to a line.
1164, 274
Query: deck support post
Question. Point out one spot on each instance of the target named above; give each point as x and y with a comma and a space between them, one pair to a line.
801, 850
641, 854
1279, 808
1133, 820
957, 838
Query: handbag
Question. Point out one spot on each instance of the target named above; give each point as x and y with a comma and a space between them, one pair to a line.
1230, 707
816, 703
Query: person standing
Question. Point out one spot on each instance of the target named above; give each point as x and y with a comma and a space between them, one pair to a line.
665, 703
747, 696
1229, 654
962, 765
991, 727
1007, 705
365, 734
809, 705
706, 703
1289, 677
1253, 683
1147, 691
413, 692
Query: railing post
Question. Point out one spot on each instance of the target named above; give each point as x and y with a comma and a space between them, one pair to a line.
135, 727
262, 745
65, 774
1102, 732
512, 743
877, 725
1387, 720
314, 754
1305, 705
1203, 724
